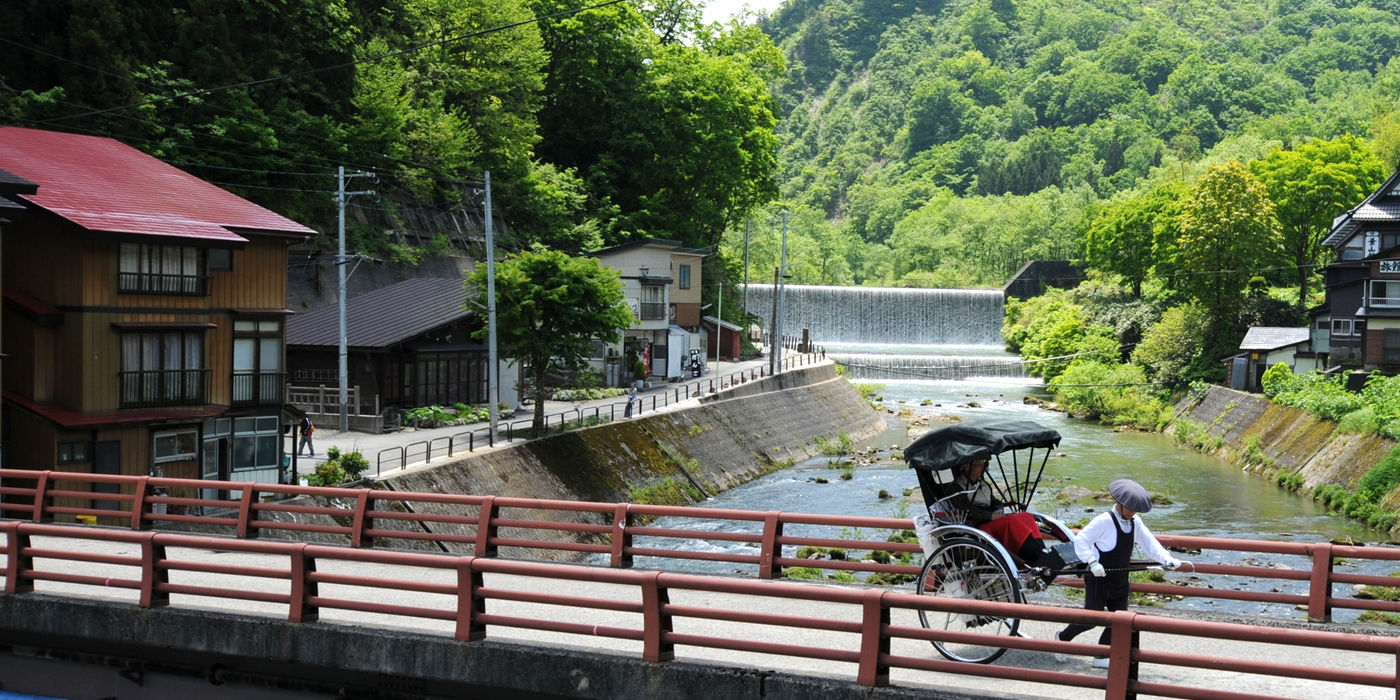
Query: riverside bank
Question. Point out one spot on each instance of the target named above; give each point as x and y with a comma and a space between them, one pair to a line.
670, 457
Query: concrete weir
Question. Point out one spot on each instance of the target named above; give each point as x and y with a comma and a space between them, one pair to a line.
671, 457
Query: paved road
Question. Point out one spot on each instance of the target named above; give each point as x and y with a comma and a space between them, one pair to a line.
1267, 685
370, 445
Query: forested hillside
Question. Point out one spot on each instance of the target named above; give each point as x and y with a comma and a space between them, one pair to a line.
945, 143
627, 120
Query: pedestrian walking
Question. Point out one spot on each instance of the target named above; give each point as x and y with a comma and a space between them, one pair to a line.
307, 428
631, 400
1106, 546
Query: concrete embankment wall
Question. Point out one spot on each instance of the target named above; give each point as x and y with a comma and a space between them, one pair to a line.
671, 457
1289, 439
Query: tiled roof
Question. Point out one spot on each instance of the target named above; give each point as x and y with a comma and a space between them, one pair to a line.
1272, 338
384, 317
104, 185
1381, 205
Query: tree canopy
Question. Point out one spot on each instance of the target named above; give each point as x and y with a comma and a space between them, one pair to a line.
550, 309
598, 127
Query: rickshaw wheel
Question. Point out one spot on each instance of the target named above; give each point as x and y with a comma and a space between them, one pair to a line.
965, 568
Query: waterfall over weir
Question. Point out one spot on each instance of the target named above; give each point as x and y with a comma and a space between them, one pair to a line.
913, 367
886, 314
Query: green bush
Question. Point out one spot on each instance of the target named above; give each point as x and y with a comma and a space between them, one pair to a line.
1171, 344
1362, 421
1116, 394
1313, 392
1382, 395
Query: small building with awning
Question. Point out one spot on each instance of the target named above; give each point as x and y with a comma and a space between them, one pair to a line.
728, 338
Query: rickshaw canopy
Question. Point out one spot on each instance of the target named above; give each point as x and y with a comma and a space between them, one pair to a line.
969, 441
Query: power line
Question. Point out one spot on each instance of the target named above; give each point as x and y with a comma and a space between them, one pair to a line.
347, 64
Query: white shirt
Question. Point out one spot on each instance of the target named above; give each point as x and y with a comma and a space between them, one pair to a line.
1099, 536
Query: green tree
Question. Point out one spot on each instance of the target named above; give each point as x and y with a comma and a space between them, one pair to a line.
1171, 344
550, 307
1228, 232
1310, 187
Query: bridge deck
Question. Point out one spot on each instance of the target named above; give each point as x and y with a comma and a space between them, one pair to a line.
1259, 684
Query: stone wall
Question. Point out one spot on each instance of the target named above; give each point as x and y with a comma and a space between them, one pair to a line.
672, 457
1289, 439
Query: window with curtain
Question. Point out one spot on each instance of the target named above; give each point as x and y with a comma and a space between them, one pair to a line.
257, 361
162, 269
162, 368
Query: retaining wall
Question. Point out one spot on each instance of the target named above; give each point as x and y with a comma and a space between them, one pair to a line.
1290, 439
671, 457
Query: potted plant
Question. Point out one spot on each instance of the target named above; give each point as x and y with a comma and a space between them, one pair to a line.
639, 372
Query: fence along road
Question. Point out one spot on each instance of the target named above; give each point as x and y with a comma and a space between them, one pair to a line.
864, 635
447, 445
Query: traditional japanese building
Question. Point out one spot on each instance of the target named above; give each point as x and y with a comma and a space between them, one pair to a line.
144, 315
1359, 323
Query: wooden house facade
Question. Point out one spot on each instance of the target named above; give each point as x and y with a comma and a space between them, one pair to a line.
144, 317
1359, 323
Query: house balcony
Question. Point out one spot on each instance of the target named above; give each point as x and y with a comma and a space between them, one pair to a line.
164, 388
150, 283
651, 311
258, 388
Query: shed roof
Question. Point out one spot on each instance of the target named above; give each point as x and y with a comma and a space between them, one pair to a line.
724, 324
103, 185
1272, 338
384, 317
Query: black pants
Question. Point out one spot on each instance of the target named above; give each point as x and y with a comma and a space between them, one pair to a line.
1096, 603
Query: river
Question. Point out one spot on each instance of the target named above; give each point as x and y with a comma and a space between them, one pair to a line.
1209, 497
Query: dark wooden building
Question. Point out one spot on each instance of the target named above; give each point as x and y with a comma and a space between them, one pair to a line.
143, 317
409, 344
1359, 324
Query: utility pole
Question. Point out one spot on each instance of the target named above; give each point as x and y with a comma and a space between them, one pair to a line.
719, 329
747, 225
773, 326
779, 291
341, 197
493, 388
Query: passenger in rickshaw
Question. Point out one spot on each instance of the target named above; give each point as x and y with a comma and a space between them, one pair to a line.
1018, 532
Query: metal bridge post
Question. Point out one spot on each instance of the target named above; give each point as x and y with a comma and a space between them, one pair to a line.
300, 608
1320, 584
42, 500
770, 549
485, 530
873, 640
656, 623
361, 522
17, 563
1122, 668
140, 509
152, 575
469, 604
621, 538
247, 514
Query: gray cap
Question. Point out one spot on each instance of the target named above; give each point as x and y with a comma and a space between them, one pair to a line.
1131, 494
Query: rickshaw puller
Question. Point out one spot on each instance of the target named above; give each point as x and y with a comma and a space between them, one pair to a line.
1106, 546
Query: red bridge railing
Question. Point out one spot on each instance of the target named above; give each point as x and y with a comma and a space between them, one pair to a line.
366, 517
866, 614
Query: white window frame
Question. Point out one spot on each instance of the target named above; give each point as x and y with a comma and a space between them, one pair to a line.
176, 456
1391, 294
1341, 326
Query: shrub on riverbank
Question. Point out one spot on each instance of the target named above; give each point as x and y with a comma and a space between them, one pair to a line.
1116, 394
1375, 410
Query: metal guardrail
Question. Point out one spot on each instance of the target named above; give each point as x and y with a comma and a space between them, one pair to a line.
400, 457
866, 614
610, 529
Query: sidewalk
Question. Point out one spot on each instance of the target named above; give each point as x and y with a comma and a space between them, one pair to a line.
370, 445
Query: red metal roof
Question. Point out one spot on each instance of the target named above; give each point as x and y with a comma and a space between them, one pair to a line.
68, 418
102, 184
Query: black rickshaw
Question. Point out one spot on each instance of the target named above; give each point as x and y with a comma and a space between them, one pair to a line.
966, 562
